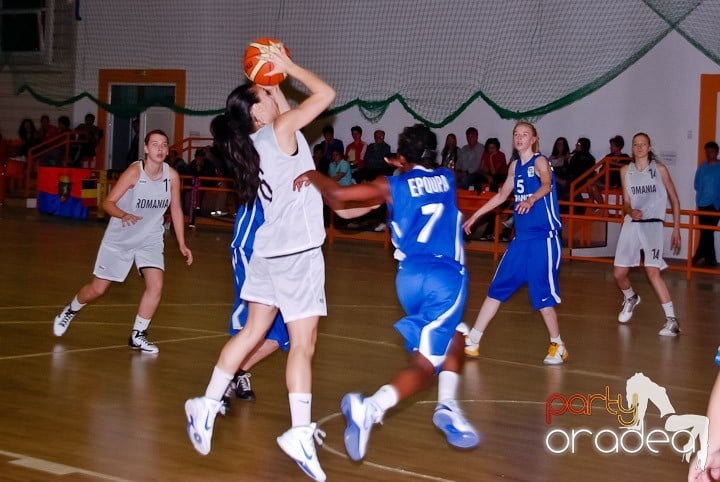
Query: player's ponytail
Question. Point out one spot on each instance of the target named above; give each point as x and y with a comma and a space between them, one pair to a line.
231, 131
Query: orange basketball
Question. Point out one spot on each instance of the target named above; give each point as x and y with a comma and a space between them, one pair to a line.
256, 69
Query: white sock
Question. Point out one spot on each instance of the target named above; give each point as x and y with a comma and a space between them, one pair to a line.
447, 385
141, 323
300, 408
669, 309
556, 339
219, 382
75, 305
475, 335
628, 293
385, 398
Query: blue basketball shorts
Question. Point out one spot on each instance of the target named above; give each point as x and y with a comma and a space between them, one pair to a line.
532, 261
432, 293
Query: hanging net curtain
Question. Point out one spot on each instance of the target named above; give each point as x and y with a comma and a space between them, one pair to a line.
524, 58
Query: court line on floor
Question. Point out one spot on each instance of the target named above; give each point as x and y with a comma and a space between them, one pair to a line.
564, 368
54, 468
108, 347
386, 468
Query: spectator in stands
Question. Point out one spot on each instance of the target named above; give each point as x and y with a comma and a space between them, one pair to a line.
616, 159
466, 169
560, 156
63, 126
47, 132
318, 153
450, 152
580, 161
707, 198
493, 165
180, 164
340, 170
355, 154
328, 145
493, 172
132, 154
89, 135
201, 166
375, 157
29, 135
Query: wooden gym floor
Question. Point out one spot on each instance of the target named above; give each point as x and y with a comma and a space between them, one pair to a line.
85, 407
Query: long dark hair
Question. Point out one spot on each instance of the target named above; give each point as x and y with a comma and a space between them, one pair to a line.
231, 131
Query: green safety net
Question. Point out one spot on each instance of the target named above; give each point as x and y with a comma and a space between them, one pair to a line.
435, 57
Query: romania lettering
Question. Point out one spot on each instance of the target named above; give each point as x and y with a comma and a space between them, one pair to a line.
647, 189
152, 203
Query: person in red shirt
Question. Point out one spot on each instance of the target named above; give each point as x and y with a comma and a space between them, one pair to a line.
355, 154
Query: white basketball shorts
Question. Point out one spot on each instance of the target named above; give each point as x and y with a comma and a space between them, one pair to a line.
636, 237
113, 263
294, 283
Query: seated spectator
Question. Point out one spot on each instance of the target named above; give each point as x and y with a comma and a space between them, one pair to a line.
580, 162
340, 170
176, 162
355, 154
707, 198
89, 135
47, 132
560, 157
133, 152
328, 145
493, 165
29, 135
375, 157
617, 160
449, 153
318, 153
201, 166
466, 169
493, 172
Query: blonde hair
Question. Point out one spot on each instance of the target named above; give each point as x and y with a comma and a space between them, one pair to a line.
536, 144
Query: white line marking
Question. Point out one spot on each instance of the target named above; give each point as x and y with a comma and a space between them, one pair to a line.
372, 464
54, 468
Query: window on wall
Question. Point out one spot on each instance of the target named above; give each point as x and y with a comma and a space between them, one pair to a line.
26, 29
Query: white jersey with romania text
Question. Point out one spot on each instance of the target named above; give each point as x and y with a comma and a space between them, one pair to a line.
647, 191
293, 219
148, 199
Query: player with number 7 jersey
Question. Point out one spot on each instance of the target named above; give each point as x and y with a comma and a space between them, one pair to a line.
431, 284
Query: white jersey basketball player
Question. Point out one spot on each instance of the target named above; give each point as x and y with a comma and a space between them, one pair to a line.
137, 204
647, 186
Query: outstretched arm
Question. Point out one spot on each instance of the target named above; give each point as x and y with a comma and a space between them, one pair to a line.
338, 197
493, 202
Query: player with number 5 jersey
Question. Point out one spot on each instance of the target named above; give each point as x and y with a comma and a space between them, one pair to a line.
431, 284
533, 256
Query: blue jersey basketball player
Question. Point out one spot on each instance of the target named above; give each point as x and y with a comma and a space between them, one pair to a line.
248, 219
431, 284
533, 256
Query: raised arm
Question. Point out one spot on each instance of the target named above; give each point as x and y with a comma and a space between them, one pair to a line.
321, 96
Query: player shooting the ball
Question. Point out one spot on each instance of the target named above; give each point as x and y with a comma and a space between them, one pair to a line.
260, 136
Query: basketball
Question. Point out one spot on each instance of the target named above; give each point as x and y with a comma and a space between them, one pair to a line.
256, 68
